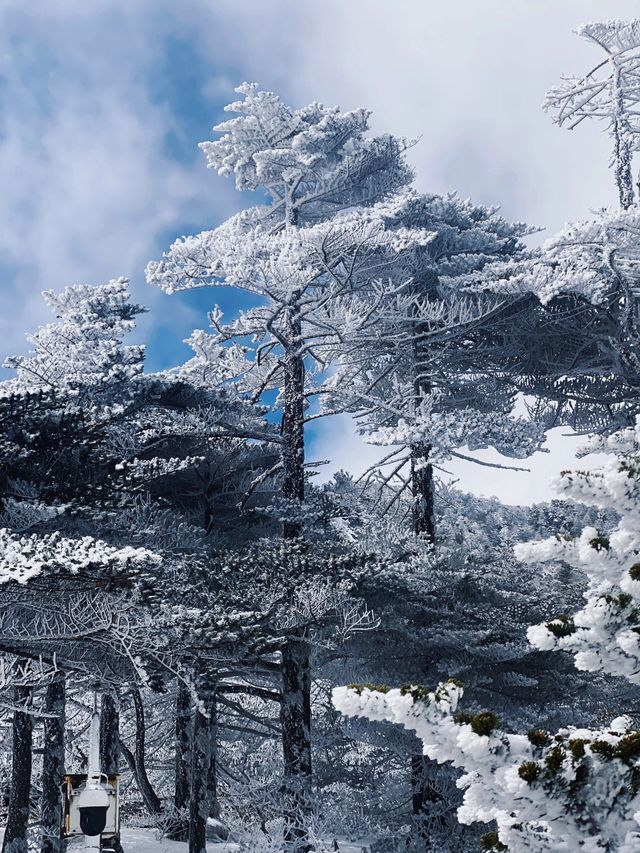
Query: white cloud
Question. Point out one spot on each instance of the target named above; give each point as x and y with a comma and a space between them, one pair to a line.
468, 77
91, 192
88, 185
336, 440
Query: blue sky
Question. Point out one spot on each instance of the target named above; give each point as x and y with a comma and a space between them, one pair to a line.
104, 102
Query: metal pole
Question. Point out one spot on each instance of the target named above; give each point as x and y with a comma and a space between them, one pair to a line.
94, 741
92, 843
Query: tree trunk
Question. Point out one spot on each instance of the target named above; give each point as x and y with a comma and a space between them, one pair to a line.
422, 485
293, 430
212, 776
15, 833
423, 793
622, 151
295, 714
422, 490
182, 789
53, 767
199, 805
110, 746
109, 734
295, 720
151, 800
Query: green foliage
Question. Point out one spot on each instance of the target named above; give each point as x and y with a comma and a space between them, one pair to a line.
562, 626
604, 749
600, 543
490, 843
628, 747
417, 693
554, 759
538, 737
576, 748
375, 688
529, 771
485, 722
482, 724
632, 468
623, 600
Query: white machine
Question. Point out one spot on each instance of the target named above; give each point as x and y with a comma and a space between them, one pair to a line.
90, 800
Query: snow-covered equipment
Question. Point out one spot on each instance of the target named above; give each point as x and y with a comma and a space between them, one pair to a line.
93, 802
90, 800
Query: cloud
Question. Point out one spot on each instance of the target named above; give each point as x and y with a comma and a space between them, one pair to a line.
103, 104
336, 441
91, 189
468, 78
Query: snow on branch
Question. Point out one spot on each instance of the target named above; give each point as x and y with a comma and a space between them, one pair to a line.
604, 636
609, 93
83, 348
25, 557
572, 790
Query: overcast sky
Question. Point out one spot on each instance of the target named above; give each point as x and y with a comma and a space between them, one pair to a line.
104, 102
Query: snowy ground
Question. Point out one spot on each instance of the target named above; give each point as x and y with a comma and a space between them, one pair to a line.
145, 841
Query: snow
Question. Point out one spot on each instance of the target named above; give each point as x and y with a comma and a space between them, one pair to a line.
145, 841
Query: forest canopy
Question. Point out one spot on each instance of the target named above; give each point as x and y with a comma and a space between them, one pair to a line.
272, 660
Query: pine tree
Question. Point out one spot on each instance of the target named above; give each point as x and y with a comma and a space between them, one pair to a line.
607, 93
318, 241
575, 786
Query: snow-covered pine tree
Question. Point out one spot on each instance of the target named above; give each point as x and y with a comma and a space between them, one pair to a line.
463, 611
420, 380
105, 463
553, 789
583, 347
570, 790
95, 447
608, 92
83, 350
302, 255
603, 635
230, 624
579, 358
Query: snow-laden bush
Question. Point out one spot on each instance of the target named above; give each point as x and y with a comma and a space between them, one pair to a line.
573, 790
576, 789
24, 557
604, 636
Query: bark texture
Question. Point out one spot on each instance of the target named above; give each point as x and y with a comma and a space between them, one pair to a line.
422, 490
424, 795
15, 833
150, 798
182, 787
293, 429
622, 141
199, 804
422, 484
53, 767
109, 734
295, 721
110, 751
212, 776
295, 714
